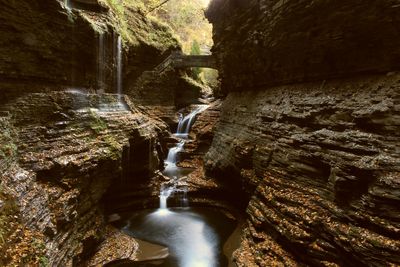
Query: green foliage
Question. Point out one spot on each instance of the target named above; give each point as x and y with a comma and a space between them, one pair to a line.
114, 147
210, 77
8, 148
195, 50
7, 210
131, 22
97, 124
187, 20
43, 261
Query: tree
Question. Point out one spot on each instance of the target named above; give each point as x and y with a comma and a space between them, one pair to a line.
195, 50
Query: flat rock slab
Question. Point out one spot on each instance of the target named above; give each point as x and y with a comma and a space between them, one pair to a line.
151, 252
117, 246
120, 248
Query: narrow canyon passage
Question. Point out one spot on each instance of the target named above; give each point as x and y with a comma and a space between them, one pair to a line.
222, 133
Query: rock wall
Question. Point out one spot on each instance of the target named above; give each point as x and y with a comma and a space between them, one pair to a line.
321, 170
162, 94
48, 47
70, 147
269, 42
41, 48
317, 161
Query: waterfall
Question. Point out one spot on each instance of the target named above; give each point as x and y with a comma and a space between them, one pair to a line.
101, 62
68, 7
119, 66
180, 123
184, 198
183, 129
165, 192
185, 124
67, 4
173, 154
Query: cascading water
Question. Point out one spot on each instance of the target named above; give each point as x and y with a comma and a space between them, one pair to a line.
67, 4
119, 67
171, 169
173, 154
165, 193
185, 123
101, 63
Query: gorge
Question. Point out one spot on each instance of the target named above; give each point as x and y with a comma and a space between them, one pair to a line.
108, 160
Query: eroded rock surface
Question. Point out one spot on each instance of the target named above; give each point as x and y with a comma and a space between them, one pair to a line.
71, 148
318, 162
270, 42
162, 94
46, 46
117, 246
321, 169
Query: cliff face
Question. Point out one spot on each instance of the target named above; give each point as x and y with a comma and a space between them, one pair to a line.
47, 47
40, 48
321, 169
70, 150
291, 41
162, 94
318, 161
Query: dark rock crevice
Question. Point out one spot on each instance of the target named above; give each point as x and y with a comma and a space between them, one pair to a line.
61, 174
286, 42
314, 201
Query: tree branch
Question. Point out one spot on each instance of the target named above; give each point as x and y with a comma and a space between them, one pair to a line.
154, 8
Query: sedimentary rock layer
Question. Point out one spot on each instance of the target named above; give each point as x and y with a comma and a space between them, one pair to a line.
269, 42
320, 163
46, 46
71, 148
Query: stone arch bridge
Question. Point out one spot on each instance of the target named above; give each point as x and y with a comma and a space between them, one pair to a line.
178, 60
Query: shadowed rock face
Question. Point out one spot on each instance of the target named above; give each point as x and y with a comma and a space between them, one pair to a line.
265, 42
42, 49
70, 151
319, 161
46, 47
321, 169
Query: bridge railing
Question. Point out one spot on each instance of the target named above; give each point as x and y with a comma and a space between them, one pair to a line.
180, 60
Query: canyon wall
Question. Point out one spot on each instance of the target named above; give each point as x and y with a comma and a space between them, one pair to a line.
270, 42
41, 48
46, 46
62, 153
309, 129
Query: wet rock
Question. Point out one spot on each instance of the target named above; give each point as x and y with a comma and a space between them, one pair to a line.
318, 162
263, 42
323, 188
162, 94
201, 136
64, 170
49, 47
116, 246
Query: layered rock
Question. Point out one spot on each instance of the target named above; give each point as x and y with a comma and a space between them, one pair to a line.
162, 94
41, 48
265, 42
201, 136
71, 148
47, 46
321, 169
317, 162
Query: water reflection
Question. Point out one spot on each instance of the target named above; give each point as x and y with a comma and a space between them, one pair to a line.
194, 236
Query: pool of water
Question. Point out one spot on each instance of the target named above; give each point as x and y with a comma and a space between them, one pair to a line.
194, 236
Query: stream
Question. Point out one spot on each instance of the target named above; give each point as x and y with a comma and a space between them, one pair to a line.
194, 236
